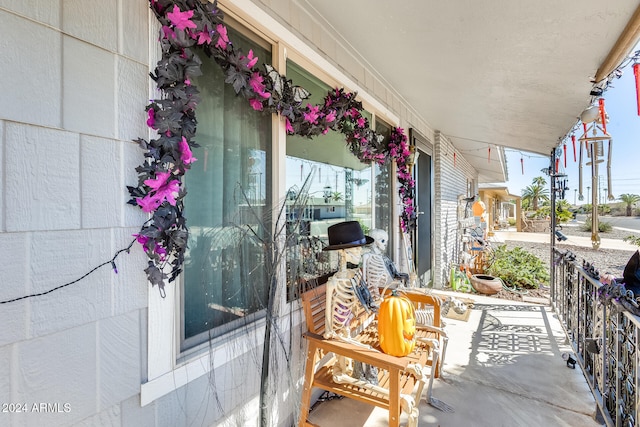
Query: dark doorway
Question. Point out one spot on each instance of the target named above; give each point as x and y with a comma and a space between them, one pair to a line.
422, 241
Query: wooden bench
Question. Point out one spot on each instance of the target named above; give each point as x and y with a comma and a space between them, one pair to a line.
394, 373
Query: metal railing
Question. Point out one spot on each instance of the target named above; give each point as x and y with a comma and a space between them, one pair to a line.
604, 337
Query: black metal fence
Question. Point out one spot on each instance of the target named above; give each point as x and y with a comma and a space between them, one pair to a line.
604, 337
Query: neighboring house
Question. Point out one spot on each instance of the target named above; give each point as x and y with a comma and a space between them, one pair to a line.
111, 350
501, 206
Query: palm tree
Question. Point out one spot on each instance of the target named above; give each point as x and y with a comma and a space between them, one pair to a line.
629, 200
539, 180
534, 193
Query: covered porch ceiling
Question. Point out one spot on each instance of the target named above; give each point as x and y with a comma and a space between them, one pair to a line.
498, 73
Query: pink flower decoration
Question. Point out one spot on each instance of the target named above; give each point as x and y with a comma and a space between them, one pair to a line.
168, 191
252, 60
149, 203
256, 104
223, 39
186, 156
331, 116
288, 126
204, 36
181, 20
361, 122
312, 115
158, 181
168, 33
151, 118
142, 239
256, 83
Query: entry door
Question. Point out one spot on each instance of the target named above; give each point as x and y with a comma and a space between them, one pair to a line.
423, 242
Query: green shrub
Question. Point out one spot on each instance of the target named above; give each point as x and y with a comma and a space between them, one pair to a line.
603, 226
634, 240
517, 267
512, 222
563, 214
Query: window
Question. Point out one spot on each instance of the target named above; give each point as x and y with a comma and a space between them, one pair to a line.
335, 186
383, 189
227, 207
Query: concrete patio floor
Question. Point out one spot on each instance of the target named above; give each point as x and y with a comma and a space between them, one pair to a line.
503, 367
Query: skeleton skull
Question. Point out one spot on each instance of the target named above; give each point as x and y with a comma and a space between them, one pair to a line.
381, 239
353, 255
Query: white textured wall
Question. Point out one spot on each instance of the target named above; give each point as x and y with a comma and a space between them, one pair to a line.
74, 86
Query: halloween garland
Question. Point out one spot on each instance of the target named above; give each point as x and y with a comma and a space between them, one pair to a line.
188, 25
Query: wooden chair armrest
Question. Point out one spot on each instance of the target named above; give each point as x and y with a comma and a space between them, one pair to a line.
418, 296
430, 328
369, 356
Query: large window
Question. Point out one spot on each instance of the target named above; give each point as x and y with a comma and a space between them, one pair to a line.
227, 207
326, 184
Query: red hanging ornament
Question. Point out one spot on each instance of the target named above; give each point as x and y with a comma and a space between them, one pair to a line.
557, 166
603, 115
636, 73
489, 155
522, 165
565, 155
584, 127
573, 141
454, 159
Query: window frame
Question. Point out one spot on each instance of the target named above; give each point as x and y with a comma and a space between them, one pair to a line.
195, 343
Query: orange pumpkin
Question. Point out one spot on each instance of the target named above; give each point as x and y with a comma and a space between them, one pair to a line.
397, 325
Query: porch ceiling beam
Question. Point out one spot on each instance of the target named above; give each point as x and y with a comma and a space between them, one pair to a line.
628, 38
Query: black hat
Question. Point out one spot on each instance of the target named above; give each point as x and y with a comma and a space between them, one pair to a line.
345, 235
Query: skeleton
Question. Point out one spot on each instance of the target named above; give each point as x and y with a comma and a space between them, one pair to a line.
340, 295
341, 300
379, 271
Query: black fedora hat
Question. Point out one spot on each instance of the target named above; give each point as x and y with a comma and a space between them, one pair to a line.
345, 235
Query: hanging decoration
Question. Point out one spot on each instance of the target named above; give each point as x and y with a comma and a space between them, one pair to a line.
636, 74
610, 195
522, 165
188, 25
603, 115
564, 146
593, 139
580, 195
489, 155
573, 142
454, 159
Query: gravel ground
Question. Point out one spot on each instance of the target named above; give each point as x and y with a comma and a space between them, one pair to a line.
606, 260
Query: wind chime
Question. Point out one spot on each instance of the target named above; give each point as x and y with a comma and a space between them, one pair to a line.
594, 124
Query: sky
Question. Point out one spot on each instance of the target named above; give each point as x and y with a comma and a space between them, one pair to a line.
624, 128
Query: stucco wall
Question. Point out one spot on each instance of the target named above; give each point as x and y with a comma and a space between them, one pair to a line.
74, 86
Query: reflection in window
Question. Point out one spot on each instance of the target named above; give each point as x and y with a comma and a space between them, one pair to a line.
383, 189
327, 184
227, 208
